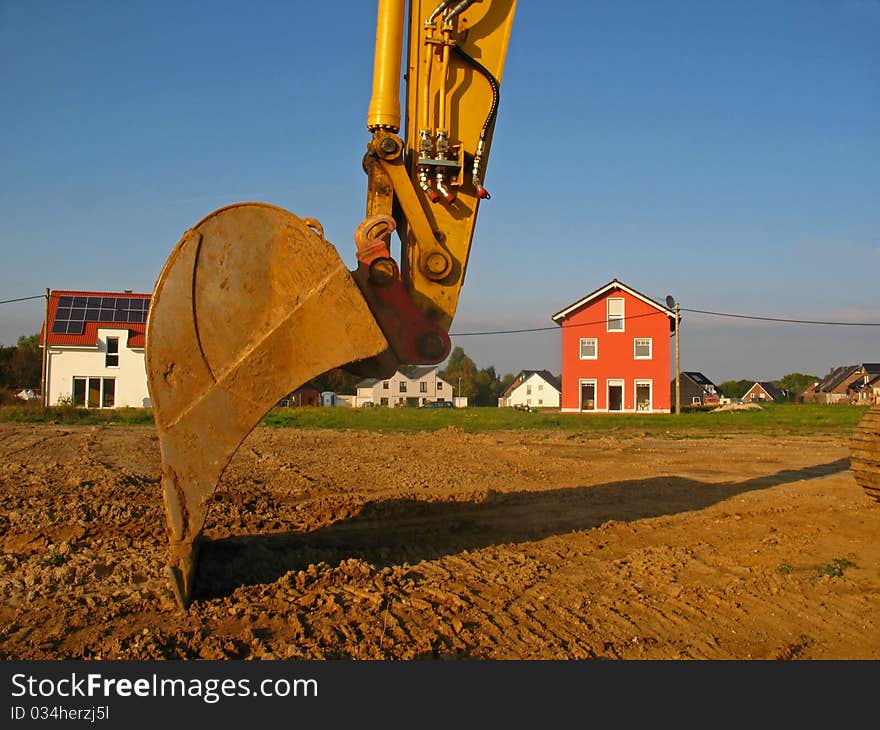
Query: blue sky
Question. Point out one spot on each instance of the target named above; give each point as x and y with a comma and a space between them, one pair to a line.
724, 153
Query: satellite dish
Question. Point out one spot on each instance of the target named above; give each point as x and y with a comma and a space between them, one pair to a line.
670, 302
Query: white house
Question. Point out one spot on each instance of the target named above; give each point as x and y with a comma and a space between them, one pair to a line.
536, 388
414, 386
96, 349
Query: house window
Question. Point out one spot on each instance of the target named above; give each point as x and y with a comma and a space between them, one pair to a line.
94, 392
528, 390
384, 385
403, 386
642, 348
614, 308
108, 396
423, 387
439, 385
589, 348
540, 401
540, 386
383, 401
111, 360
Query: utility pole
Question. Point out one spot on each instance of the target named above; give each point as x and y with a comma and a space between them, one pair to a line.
44, 391
458, 392
677, 360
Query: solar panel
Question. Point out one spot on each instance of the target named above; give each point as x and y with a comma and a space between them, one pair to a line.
74, 311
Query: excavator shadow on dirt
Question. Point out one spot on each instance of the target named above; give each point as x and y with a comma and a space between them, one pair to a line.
396, 531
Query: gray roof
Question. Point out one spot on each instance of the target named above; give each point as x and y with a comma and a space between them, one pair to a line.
773, 390
836, 377
698, 378
413, 372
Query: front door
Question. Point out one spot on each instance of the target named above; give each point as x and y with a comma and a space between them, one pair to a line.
615, 395
643, 395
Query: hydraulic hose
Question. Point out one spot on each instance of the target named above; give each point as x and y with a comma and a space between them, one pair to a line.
490, 117
493, 82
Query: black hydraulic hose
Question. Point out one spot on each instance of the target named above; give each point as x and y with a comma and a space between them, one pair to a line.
493, 82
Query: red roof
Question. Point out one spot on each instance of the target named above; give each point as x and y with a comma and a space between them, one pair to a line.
86, 311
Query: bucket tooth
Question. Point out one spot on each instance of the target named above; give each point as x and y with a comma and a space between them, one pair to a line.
251, 304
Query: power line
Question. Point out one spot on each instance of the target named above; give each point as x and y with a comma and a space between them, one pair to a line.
683, 309
23, 299
600, 321
781, 319
544, 329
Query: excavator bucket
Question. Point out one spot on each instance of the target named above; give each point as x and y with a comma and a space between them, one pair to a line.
251, 304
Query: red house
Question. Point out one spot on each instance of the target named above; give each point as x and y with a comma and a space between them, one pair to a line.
616, 352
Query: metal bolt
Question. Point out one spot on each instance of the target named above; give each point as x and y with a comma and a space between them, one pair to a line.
436, 263
383, 272
388, 146
432, 346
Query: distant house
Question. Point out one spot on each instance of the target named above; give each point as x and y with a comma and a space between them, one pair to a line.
413, 386
306, 395
532, 388
615, 352
765, 391
96, 349
697, 389
843, 384
865, 390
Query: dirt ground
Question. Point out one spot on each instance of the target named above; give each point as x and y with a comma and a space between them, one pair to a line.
511, 545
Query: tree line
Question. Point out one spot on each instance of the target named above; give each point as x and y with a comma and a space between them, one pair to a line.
794, 383
21, 366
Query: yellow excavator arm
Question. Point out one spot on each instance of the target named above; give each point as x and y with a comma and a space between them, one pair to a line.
253, 301
429, 184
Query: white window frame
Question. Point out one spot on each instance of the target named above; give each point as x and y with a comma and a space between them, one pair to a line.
595, 355
108, 354
581, 383
650, 341
103, 380
650, 384
609, 317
